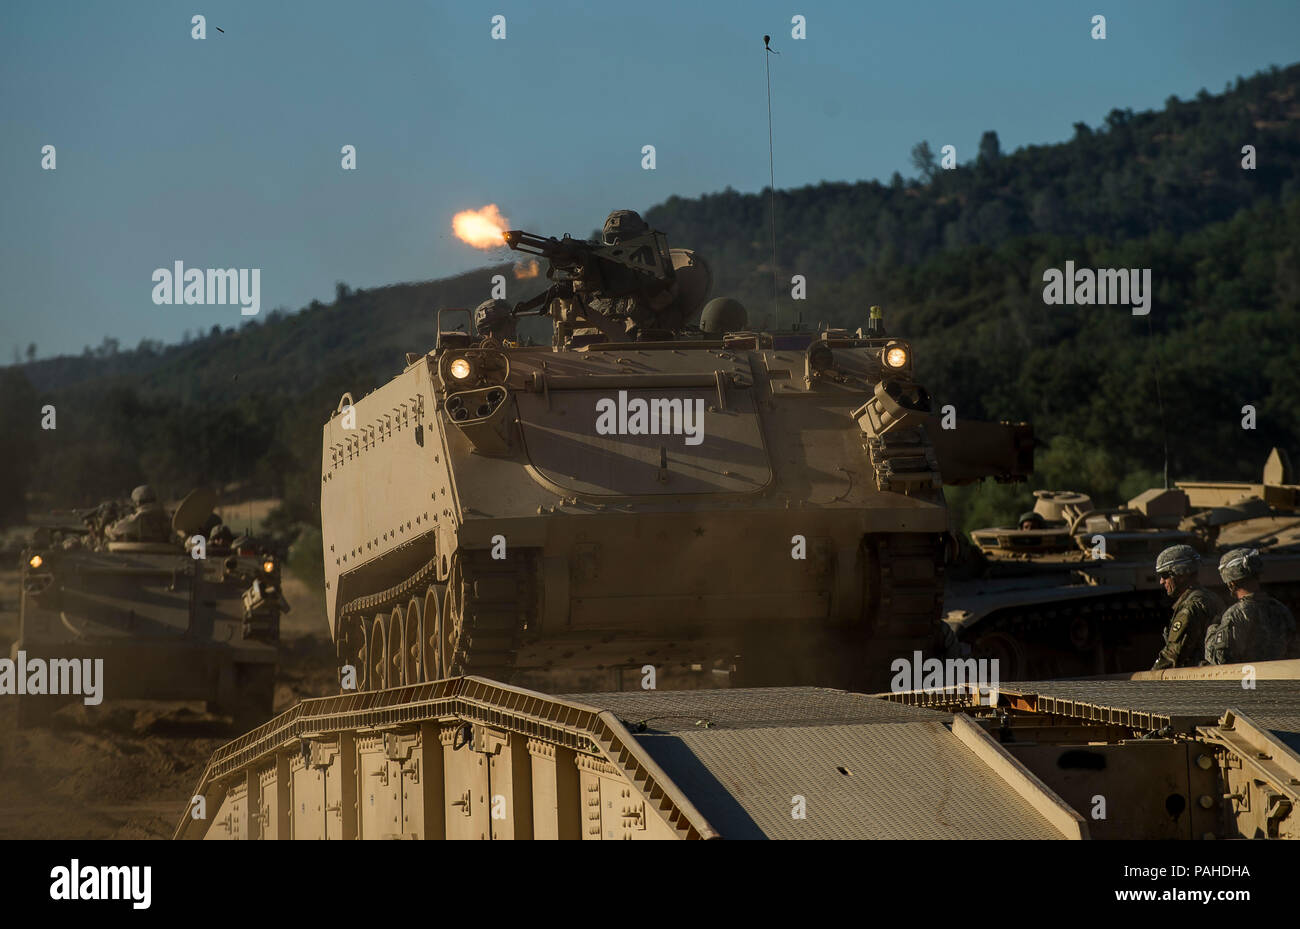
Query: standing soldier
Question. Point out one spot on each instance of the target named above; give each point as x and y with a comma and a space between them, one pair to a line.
1256, 627
1194, 608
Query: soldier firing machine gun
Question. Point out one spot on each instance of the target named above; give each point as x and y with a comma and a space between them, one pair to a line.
639, 268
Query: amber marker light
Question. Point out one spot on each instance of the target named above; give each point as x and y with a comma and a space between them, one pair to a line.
35, 561
896, 357
459, 369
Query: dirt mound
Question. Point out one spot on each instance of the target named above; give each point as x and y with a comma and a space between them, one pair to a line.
124, 770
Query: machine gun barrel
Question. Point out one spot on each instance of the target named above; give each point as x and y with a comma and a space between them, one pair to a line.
639, 265
560, 252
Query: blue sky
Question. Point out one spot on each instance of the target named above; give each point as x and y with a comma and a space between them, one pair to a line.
225, 152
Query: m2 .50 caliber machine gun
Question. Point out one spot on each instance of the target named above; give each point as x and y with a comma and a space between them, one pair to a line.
636, 288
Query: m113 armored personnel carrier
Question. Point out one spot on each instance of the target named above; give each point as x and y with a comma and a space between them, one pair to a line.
170, 620
645, 493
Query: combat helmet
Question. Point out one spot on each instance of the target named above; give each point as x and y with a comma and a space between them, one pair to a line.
722, 315
491, 315
1240, 564
143, 494
623, 224
1178, 559
1030, 516
221, 535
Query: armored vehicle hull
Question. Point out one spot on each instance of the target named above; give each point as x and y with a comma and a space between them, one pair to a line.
769, 504
166, 626
1194, 758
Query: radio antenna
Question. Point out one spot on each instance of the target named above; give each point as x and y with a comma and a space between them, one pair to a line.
1160, 403
771, 171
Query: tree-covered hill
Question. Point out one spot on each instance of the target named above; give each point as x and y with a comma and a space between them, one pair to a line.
1173, 171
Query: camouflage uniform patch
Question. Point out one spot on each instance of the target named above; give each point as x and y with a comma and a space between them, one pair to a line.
1194, 611
1255, 628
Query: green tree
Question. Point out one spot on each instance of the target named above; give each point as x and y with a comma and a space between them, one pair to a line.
924, 161
990, 150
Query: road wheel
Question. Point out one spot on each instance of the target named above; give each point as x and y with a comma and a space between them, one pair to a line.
1006, 650
412, 643
379, 652
431, 637
397, 665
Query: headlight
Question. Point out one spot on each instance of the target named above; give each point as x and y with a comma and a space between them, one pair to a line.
268, 566
896, 357
35, 561
460, 368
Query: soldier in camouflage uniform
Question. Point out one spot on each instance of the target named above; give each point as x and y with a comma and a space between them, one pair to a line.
1195, 608
149, 522
493, 319
653, 308
1256, 627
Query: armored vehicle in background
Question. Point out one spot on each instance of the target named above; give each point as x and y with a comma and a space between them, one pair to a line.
1080, 595
176, 620
643, 494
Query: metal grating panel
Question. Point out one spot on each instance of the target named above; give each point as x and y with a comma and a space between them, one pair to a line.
911, 780
1154, 704
740, 708
1274, 704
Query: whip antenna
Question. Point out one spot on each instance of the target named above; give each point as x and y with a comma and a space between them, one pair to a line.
1160, 405
771, 171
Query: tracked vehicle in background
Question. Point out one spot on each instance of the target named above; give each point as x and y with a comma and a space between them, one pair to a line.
168, 625
764, 502
1080, 596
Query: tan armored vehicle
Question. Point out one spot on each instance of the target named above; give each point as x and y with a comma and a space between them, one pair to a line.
1080, 595
170, 620
662, 501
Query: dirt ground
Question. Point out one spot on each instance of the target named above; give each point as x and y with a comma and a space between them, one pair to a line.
126, 770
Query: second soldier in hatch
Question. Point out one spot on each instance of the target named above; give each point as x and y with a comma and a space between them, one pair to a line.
493, 319
149, 522
1256, 627
1029, 520
1195, 608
